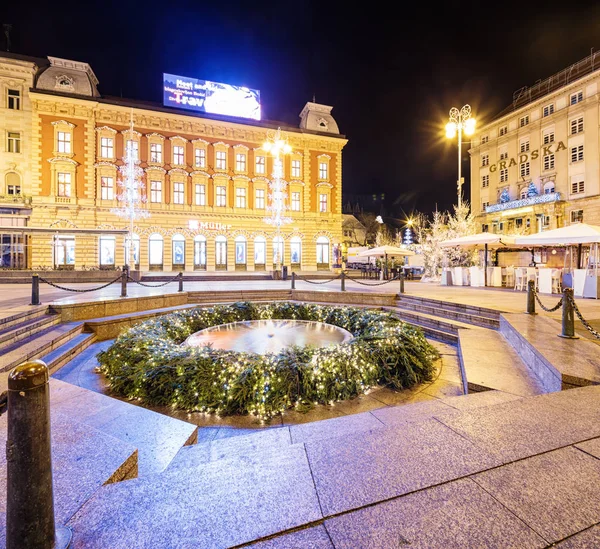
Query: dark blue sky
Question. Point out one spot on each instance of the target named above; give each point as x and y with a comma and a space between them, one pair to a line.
391, 76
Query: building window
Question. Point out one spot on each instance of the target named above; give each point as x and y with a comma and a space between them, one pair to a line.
295, 201
548, 109
134, 147
523, 193
14, 142
577, 185
64, 142
240, 197
221, 160
322, 250
155, 191
200, 195
13, 189
503, 131
64, 184
549, 162
259, 199
576, 125
107, 250
295, 250
503, 155
260, 164
178, 155
577, 153
524, 169
221, 197
13, 100
524, 147
548, 138
576, 216
484, 139
107, 187
295, 168
322, 170
485, 160
545, 221
107, 149
518, 222
240, 250
576, 97
200, 158
156, 153
485, 181
484, 205
523, 121
549, 187
504, 175
240, 162
178, 242
178, 192
322, 202
260, 250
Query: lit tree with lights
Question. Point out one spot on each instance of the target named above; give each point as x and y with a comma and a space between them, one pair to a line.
130, 194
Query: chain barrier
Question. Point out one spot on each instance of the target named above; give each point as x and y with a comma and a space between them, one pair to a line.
176, 277
375, 283
76, 289
313, 282
548, 310
595, 333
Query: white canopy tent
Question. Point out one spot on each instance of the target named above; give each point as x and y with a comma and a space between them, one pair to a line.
385, 252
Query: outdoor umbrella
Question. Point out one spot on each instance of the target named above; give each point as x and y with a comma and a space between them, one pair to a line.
385, 251
577, 233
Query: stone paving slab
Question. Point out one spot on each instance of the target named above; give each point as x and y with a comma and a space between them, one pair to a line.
220, 506
310, 538
419, 411
584, 401
591, 447
334, 427
457, 515
362, 469
522, 428
480, 400
557, 493
587, 539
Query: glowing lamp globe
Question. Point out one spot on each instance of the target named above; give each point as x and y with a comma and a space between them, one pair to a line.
470, 126
450, 129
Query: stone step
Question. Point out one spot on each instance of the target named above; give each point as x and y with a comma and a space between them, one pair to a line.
450, 313
22, 314
450, 306
39, 344
22, 330
69, 350
233, 296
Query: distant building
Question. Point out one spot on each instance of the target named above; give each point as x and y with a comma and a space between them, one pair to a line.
535, 166
353, 231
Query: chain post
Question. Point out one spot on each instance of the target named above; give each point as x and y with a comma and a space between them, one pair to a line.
180, 280
531, 297
343, 281
29, 490
401, 282
124, 275
568, 315
293, 280
35, 289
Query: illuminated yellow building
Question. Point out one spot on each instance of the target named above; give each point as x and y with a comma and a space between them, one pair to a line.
205, 180
536, 165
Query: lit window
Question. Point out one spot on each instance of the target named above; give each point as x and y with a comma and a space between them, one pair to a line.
577, 153
13, 100
576, 216
133, 146
548, 138
107, 147
240, 197
503, 131
549, 162
221, 160
548, 109
485, 180
576, 97
484, 139
549, 187
504, 175
14, 142
577, 185
295, 168
178, 192
260, 164
485, 160
259, 199
13, 189
296, 201
64, 142
107, 188
484, 205
240, 162
200, 195
178, 155
576, 125
221, 197
200, 158
523, 193
322, 170
524, 146
156, 191
503, 155
524, 169
523, 121
322, 202
64, 184
156, 153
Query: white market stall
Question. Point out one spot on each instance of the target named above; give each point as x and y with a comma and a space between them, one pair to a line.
386, 252
586, 282
478, 276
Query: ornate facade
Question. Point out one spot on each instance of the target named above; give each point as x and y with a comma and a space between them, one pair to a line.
205, 179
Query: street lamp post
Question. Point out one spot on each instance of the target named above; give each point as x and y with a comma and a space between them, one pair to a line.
277, 145
460, 121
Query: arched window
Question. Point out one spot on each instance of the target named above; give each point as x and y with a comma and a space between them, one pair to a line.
549, 187
155, 252
107, 251
136, 249
322, 252
240, 252
278, 250
13, 183
260, 252
295, 250
200, 253
178, 250
523, 193
221, 253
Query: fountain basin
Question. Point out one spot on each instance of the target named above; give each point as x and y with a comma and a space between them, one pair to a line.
268, 336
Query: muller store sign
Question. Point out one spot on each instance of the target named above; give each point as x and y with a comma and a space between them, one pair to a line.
194, 225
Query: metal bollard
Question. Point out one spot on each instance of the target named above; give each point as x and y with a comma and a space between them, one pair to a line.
531, 297
124, 282
180, 279
401, 282
343, 280
35, 289
30, 499
293, 280
568, 315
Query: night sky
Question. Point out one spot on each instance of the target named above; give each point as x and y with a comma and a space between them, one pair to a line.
391, 75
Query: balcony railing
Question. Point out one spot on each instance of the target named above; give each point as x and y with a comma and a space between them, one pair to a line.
529, 201
15, 199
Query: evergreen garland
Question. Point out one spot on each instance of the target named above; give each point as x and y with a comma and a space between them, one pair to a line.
148, 362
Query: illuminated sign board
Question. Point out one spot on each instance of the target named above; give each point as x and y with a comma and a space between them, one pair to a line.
192, 94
